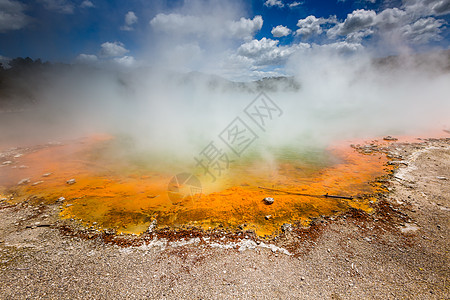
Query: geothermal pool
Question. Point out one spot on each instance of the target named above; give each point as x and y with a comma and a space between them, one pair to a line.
126, 190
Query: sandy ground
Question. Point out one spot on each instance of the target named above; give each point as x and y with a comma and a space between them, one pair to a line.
398, 252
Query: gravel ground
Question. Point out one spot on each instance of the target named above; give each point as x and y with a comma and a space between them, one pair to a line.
398, 252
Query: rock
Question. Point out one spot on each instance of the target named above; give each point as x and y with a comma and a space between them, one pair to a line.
268, 217
8, 162
23, 167
286, 227
18, 155
390, 138
60, 199
302, 278
367, 239
71, 181
441, 177
46, 174
24, 181
37, 182
397, 162
69, 205
152, 226
269, 200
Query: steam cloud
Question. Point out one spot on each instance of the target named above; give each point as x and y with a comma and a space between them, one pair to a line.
330, 95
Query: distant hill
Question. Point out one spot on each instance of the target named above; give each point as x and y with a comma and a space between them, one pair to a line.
431, 61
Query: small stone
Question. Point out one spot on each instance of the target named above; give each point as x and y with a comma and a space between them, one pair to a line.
397, 162
367, 239
37, 182
24, 181
441, 177
8, 162
69, 205
71, 181
23, 167
268, 217
60, 199
269, 200
286, 227
46, 174
152, 226
18, 155
390, 138
302, 278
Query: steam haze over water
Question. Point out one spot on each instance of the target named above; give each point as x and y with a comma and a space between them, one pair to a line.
172, 75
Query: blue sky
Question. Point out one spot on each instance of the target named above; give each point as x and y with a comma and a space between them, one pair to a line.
254, 38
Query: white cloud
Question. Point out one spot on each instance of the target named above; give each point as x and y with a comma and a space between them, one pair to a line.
125, 61
87, 4
312, 25
177, 24
60, 6
340, 47
277, 3
357, 37
391, 18
427, 7
441, 7
12, 16
295, 4
357, 20
280, 31
130, 20
245, 28
268, 52
113, 49
423, 30
87, 58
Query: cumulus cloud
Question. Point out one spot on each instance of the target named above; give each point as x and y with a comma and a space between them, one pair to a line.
357, 37
427, 7
423, 30
245, 28
113, 49
357, 20
87, 4
280, 31
125, 61
268, 52
295, 4
12, 15
391, 18
312, 25
277, 3
60, 6
178, 24
406, 24
130, 20
342, 47
86, 58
